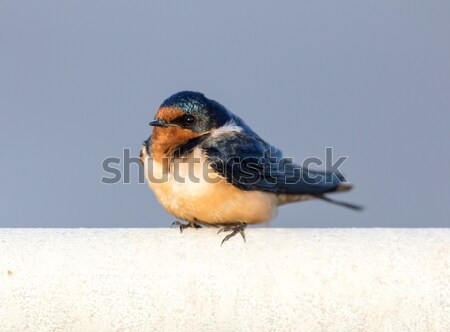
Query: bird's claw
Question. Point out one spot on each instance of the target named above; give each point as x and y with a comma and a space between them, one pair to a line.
184, 226
235, 229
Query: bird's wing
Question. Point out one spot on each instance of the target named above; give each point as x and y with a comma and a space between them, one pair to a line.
249, 163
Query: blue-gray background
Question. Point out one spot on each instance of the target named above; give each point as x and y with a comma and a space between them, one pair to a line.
80, 80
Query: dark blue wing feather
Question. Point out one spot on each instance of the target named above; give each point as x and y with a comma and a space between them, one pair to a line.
250, 163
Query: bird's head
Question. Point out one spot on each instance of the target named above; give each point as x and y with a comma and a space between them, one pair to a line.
184, 116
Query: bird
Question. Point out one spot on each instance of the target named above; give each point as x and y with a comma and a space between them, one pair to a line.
207, 167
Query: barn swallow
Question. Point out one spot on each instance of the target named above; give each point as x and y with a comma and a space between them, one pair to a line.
207, 167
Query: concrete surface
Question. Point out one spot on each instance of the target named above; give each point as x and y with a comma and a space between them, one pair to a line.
280, 280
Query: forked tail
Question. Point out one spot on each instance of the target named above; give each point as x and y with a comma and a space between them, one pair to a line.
352, 206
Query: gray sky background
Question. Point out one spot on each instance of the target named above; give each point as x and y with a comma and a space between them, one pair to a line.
80, 80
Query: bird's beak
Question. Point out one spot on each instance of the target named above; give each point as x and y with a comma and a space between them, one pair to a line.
159, 123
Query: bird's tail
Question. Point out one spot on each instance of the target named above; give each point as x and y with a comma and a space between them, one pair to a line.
342, 187
352, 206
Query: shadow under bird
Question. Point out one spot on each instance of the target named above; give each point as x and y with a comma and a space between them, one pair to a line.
207, 167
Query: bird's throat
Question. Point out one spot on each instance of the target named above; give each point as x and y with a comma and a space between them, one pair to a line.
166, 140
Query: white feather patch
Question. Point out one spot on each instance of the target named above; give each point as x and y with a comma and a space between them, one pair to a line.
230, 126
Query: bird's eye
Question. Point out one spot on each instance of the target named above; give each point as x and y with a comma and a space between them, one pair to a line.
189, 120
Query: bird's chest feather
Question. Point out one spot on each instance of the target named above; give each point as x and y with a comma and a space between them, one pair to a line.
190, 189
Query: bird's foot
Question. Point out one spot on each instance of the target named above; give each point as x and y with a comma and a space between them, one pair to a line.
235, 229
184, 226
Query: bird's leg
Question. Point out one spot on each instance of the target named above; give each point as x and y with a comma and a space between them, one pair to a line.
235, 229
184, 226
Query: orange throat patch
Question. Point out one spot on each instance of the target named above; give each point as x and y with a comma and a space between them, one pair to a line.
165, 140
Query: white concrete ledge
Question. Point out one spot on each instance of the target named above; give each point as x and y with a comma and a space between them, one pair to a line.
280, 280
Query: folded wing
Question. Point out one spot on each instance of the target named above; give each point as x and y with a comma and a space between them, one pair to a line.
249, 163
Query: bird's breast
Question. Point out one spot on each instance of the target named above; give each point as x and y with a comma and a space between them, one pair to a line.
191, 190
